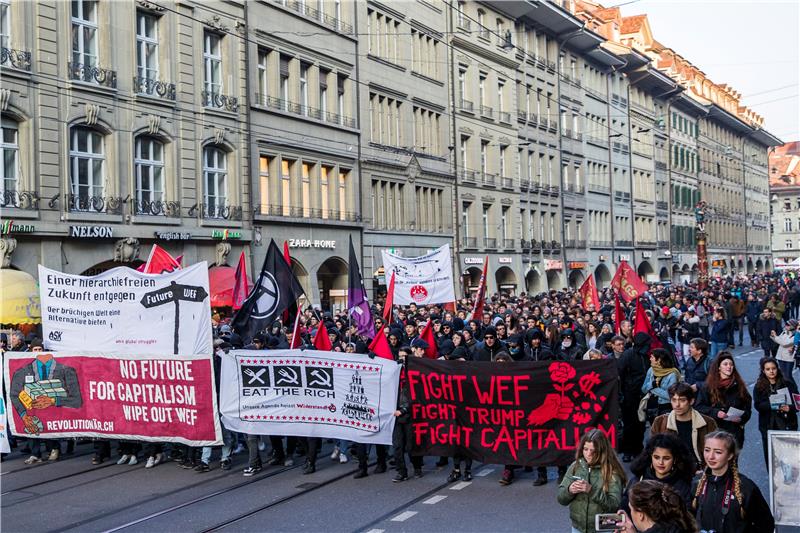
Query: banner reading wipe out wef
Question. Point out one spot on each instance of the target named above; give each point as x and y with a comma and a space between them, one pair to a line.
309, 394
127, 312
529, 414
162, 399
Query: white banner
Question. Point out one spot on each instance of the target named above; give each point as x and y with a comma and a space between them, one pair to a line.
421, 280
4, 446
309, 393
123, 311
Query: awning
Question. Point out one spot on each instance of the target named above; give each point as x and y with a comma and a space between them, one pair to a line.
221, 280
19, 298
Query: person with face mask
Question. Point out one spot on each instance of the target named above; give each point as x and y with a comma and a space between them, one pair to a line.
515, 348
569, 349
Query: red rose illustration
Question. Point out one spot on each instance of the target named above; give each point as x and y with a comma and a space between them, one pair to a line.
561, 372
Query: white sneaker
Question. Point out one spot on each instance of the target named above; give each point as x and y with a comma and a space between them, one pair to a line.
343, 458
54, 453
123, 459
335, 453
133, 460
151, 462
159, 458
32, 459
288, 462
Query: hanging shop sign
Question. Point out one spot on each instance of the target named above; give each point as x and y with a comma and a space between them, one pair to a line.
504, 260
577, 265
8, 227
647, 255
473, 260
553, 264
624, 257
312, 243
225, 234
173, 235
718, 263
91, 232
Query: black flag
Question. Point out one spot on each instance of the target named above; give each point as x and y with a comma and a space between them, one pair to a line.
275, 290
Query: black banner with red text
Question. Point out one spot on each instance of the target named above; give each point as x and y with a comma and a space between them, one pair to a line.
530, 414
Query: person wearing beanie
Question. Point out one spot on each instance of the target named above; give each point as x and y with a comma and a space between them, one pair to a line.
488, 349
446, 348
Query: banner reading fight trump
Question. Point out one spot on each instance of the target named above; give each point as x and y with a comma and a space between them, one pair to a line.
309, 393
129, 397
530, 414
127, 312
421, 280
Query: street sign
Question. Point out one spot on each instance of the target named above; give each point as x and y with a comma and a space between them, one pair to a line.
174, 293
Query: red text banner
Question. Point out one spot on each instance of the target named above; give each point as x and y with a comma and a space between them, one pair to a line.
510, 413
151, 398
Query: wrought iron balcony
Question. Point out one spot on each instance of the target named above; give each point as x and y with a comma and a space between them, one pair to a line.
220, 101
490, 242
487, 111
27, 200
216, 211
20, 59
624, 243
159, 88
602, 189
463, 23
156, 208
466, 105
469, 242
93, 74
94, 204
505, 116
468, 176
508, 244
507, 183
663, 244
660, 204
305, 9
487, 179
304, 110
522, 116
533, 119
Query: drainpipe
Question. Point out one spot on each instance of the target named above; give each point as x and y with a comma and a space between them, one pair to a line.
614, 70
454, 156
566, 39
249, 140
358, 188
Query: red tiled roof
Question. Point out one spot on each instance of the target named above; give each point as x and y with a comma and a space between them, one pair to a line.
607, 13
632, 24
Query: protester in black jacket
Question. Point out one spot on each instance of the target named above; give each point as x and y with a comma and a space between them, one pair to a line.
535, 350
753, 312
633, 367
569, 349
655, 507
767, 323
724, 388
778, 416
488, 349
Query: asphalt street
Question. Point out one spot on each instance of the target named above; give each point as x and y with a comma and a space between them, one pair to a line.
74, 495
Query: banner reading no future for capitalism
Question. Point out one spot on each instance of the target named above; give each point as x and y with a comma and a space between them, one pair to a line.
309, 393
510, 413
125, 311
162, 399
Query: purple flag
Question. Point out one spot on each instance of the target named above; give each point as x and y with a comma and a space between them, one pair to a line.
357, 305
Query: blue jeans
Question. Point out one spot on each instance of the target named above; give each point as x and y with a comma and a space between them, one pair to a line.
786, 369
717, 347
227, 446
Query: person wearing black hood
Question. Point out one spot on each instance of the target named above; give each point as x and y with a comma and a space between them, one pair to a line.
633, 367
488, 349
516, 348
395, 340
534, 349
569, 350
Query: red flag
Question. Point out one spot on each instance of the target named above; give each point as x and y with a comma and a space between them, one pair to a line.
387, 309
477, 309
642, 324
296, 332
380, 346
159, 261
627, 282
321, 339
240, 286
619, 314
589, 295
427, 335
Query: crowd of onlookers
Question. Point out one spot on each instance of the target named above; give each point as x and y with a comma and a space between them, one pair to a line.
681, 382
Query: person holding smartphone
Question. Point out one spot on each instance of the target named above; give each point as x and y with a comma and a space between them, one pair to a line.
724, 388
593, 483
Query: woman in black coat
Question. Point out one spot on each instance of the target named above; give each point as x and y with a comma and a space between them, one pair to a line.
724, 388
779, 416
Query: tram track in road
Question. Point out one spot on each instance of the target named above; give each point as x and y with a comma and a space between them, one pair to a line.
59, 478
399, 508
28, 468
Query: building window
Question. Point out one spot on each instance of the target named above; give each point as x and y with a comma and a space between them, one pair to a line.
9, 144
146, 47
485, 220
262, 77
482, 90
462, 84
324, 189
787, 224
212, 60
149, 169
465, 218
305, 168
343, 175
788, 244
215, 177
484, 157
286, 186
84, 32
87, 165
323, 94
5, 23
304, 88
264, 164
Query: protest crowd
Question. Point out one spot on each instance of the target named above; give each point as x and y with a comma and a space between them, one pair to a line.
682, 403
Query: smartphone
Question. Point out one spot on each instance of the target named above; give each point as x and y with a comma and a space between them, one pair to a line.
609, 521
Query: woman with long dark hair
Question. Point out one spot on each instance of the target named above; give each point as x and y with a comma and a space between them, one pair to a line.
724, 388
726, 501
656, 508
665, 458
773, 415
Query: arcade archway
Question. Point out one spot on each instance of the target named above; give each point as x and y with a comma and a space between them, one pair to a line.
332, 283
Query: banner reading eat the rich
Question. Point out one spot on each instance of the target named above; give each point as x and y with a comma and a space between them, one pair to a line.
162, 399
125, 311
529, 414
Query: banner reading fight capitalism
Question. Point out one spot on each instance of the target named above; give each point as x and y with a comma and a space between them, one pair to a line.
125, 311
530, 414
309, 393
153, 398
